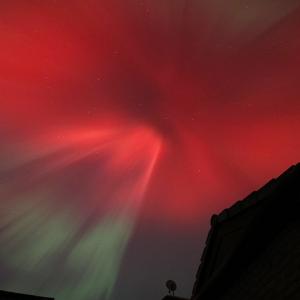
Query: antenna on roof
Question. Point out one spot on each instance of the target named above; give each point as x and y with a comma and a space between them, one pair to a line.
171, 285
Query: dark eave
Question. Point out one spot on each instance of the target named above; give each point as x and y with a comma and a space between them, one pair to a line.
11, 295
270, 201
173, 298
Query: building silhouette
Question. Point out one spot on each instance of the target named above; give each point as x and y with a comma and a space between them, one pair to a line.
4, 295
253, 248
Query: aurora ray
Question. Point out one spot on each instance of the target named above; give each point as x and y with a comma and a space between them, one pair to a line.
65, 244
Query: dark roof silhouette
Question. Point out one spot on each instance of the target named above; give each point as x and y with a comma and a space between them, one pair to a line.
4, 295
239, 233
173, 298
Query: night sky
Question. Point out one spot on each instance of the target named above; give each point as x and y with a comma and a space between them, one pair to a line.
125, 124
